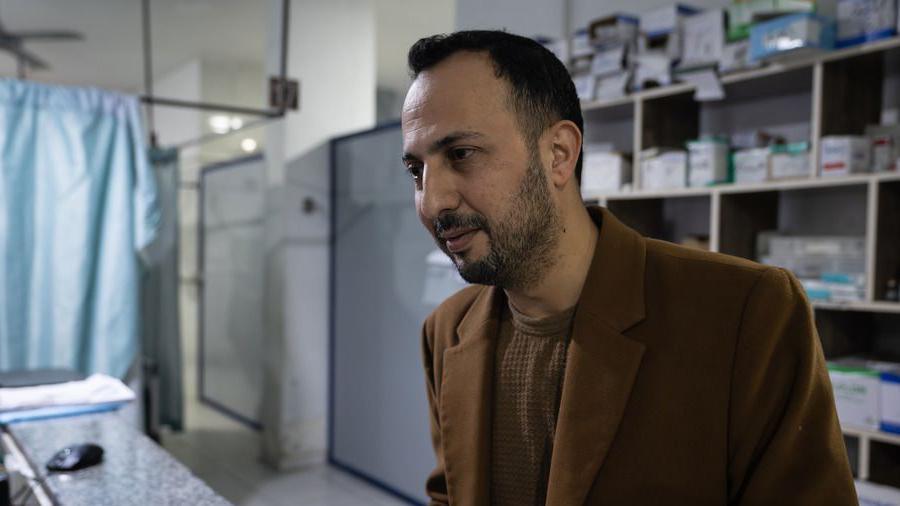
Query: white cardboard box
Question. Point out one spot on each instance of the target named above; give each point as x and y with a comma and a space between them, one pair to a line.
609, 61
860, 21
585, 86
789, 165
707, 163
581, 44
604, 172
856, 395
751, 165
844, 154
871, 494
664, 20
663, 170
652, 66
885, 146
704, 38
612, 86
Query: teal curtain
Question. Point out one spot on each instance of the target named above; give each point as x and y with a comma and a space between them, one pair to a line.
78, 202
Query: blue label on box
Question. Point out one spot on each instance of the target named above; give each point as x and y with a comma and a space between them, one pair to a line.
889, 427
787, 33
868, 37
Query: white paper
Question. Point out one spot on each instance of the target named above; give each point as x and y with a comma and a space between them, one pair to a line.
612, 87
96, 389
708, 87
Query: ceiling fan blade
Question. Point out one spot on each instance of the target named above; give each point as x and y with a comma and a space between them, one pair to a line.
47, 35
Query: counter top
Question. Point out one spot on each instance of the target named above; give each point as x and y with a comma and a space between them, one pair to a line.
135, 470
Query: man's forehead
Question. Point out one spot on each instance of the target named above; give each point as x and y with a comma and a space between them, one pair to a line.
460, 92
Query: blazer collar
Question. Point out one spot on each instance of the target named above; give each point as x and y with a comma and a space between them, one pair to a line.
601, 367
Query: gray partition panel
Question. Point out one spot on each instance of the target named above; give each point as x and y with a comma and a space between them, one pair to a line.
379, 411
233, 272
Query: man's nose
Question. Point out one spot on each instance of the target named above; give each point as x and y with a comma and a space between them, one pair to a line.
439, 192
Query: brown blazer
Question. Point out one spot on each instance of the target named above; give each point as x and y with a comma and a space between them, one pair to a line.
692, 378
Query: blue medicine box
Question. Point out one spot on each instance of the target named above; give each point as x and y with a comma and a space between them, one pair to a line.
790, 36
861, 21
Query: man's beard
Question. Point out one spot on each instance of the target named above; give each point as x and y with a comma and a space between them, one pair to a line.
522, 244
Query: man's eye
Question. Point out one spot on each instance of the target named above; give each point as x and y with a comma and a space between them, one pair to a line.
415, 171
457, 154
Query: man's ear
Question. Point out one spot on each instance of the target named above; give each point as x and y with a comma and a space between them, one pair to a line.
564, 140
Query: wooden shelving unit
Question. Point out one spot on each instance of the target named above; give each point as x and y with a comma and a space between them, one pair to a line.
836, 93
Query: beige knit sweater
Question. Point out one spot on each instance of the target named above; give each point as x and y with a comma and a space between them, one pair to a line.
528, 375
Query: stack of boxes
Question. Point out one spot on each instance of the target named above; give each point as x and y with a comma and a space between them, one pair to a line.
604, 170
831, 269
866, 393
876, 151
623, 52
601, 57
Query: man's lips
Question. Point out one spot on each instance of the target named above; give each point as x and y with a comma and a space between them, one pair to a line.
458, 240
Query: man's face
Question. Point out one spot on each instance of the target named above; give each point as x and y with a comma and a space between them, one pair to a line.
481, 187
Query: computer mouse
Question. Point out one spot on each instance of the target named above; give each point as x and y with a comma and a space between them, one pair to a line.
75, 457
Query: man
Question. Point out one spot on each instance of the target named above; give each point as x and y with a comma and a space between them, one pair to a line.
590, 365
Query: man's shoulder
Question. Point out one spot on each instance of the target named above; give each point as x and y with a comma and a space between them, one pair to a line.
668, 256
679, 273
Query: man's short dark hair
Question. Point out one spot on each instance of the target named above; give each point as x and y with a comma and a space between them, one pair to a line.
542, 92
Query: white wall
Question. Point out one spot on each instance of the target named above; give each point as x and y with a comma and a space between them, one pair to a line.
332, 53
524, 17
399, 24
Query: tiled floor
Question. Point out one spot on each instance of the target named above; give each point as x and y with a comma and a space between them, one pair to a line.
224, 454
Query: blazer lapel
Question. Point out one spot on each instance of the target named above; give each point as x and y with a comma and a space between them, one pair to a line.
466, 397
602, 363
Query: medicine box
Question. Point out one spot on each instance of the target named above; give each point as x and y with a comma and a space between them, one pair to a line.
585, 86
890, 399
615, 30
885, 142
604, 172
870, 494
735, 56
742, 14
860, 21
660, 170
703, 38
791, 36
613, 86
856, 395
751, 165
610, 60
844, 154
665, 20
707, 162
652, 67
581, 44
790, 161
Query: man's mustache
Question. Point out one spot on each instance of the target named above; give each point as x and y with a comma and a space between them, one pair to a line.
452, 221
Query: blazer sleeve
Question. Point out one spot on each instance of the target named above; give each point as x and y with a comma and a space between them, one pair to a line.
785, 443
436, 485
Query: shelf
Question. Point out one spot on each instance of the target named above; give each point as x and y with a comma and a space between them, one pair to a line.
606, 104
874, 435
652, 194
768, 186
750, 74
862, 306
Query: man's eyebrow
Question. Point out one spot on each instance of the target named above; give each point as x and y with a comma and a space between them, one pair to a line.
443, 142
